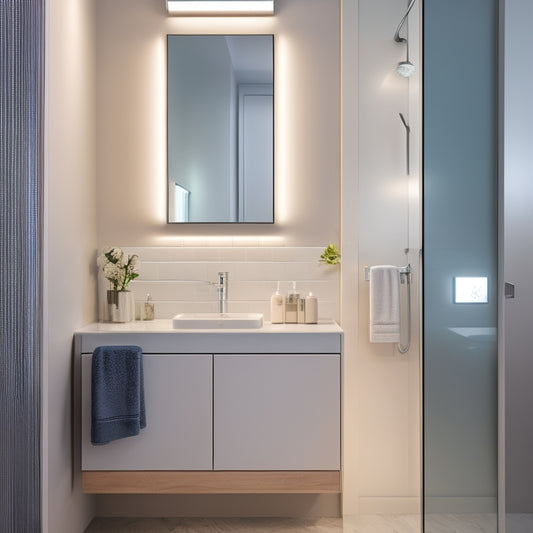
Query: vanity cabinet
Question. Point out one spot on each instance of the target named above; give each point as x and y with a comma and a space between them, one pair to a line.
178, 433
277, 412
227, 412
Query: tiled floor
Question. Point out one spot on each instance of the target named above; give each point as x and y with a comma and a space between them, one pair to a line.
214, 525
480, 523
519, 523
362, 524
462, 523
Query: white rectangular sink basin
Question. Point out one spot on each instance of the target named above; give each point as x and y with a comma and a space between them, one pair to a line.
218, 321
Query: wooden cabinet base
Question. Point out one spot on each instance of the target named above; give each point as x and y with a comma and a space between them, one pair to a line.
234, 482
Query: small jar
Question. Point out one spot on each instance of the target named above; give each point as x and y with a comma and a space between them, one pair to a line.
147, 309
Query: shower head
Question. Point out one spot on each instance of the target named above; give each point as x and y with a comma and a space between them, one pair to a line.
405, 68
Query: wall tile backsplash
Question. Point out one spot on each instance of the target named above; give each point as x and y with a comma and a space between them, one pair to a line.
181, 279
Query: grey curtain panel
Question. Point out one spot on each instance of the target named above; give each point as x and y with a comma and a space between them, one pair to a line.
21, 178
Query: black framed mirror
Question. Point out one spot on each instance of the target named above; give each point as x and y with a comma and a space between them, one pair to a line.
220, 142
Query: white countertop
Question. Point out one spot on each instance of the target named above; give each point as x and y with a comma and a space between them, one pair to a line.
165, 326
158, 336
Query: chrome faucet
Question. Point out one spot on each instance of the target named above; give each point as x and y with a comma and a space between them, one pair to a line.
222, 289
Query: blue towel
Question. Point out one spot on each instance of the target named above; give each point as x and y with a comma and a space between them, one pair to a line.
117, 399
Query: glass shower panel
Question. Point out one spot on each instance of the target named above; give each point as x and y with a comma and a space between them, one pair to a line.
460, 264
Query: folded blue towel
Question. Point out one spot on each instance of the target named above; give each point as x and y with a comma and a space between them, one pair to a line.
117, 399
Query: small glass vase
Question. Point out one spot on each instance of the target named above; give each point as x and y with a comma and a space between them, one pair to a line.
121, 307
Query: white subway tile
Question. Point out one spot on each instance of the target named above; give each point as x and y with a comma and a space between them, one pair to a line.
171, 274
232, 254
212, 270
263, 290
153, 253
252, 252
297, 253
242, 307
171, 309
246, 241
259, 254
271, 241
183, 271
149, 270
260, 271
169, 290
328, 309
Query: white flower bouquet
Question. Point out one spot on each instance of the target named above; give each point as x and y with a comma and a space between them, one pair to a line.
119, 269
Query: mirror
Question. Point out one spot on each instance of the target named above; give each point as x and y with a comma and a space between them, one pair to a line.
220, 128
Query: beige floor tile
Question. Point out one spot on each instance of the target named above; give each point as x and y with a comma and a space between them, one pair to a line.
435, 523
519, 523
212, 525
461, 523
382, 524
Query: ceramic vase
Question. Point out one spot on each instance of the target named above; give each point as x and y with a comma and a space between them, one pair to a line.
120, 306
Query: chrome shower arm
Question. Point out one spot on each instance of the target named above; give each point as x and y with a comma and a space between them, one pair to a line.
397, 37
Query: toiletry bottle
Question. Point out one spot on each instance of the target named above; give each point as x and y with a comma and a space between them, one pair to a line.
277, 308
291, 305
148, 309
311, 309
301, 311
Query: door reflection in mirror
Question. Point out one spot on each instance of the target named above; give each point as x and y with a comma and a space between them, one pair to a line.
220, 128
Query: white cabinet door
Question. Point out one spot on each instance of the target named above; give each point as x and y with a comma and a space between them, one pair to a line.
178, 433
277, 412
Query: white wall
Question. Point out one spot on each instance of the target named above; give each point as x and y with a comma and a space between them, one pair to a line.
176, 278
382, 398
131, 125
69, 251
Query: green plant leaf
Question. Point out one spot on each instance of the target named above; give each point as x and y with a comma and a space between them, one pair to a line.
331, 255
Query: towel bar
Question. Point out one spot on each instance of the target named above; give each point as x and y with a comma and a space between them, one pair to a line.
405, 277
401, 270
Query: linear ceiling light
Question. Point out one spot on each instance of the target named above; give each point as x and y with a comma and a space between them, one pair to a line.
220, 7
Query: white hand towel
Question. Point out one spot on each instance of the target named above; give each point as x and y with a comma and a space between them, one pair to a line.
384, 304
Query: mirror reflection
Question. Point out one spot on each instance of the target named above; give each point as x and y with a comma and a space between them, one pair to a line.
220, 128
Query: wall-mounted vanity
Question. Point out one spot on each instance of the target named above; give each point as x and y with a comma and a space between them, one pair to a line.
254, 411
220, 128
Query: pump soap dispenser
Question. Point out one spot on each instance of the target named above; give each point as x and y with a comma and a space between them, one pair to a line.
291, 305
277, 308
311, 309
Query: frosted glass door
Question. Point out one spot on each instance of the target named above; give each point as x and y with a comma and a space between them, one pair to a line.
460, 262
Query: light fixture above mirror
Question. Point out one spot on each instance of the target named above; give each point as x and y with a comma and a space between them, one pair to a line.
220, 7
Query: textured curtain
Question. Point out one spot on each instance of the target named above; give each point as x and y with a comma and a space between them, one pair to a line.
21, 176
